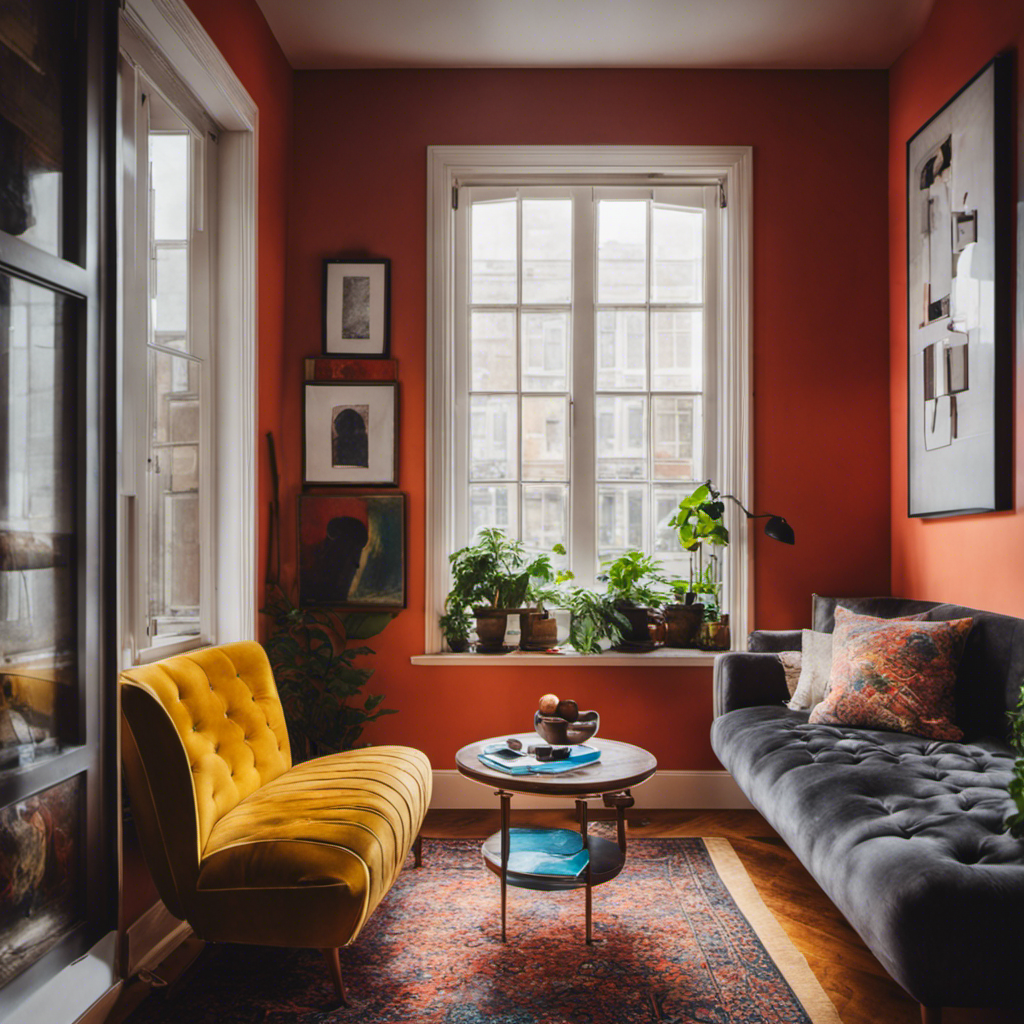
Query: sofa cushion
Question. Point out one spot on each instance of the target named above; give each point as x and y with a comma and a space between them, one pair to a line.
905, 836
891, 674
815, 669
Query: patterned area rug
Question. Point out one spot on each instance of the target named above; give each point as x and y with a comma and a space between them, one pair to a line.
683, 938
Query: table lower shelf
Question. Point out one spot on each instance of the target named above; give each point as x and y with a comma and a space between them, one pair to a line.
526, 844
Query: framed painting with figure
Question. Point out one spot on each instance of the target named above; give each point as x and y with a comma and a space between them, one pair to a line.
352, 550
357, 308
350, 433
959, 305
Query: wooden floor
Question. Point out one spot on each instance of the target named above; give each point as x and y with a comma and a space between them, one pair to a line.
858, 985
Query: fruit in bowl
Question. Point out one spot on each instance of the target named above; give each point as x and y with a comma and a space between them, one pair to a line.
560, 721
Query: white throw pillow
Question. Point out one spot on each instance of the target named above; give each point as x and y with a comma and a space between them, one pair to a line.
791, 666
815, 669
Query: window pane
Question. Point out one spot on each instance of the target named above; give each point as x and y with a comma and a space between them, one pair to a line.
621, 518
621, 350
678, 253
677, 437
545, 422
668, 550
39, 485
678, 352
494, 505
168, 154
494, 252
547, 250
622, 252
493, 351
621, 437
545, 516
174, 529
545, 351
170, 304
493, 435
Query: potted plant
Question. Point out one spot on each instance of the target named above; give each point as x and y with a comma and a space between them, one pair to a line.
493, 577
699, 522
684, 616
594, 618
538, 628
455, 625
633, 581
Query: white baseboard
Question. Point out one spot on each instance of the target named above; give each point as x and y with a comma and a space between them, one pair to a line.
671, 789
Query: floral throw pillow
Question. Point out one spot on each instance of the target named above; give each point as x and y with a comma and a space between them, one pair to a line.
895, 675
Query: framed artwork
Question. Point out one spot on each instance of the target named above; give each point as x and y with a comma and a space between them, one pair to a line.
357, 308
350, 433
352, 550
959, 306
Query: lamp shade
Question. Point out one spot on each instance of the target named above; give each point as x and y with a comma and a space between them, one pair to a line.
778, 529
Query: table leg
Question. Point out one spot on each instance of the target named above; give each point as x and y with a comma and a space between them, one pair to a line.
581, 810
620, 801
506, 814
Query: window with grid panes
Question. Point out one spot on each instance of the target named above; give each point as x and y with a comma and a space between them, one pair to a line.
585, 352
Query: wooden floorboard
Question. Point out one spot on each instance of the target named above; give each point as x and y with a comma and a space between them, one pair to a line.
860, 988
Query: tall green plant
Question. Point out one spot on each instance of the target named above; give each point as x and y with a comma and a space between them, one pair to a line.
1015, 823
495, 571
320, 686
636, 579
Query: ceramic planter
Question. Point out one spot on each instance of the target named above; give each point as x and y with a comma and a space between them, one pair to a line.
646, 628
538, 630
714, 636
682, 624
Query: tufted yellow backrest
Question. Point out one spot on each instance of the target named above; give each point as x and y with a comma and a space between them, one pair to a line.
222, 706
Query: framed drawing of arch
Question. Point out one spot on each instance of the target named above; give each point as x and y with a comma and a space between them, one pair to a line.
959, 306
350, 433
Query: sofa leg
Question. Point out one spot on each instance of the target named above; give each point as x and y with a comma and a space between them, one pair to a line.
417, 850
334, 969
931, 1014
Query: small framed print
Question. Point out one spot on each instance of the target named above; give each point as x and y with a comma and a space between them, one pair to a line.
350, 433
352, 550
357, 308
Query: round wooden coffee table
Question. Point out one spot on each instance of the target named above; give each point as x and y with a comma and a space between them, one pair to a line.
621, 767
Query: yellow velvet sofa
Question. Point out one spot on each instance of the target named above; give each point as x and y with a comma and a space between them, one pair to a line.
241, 844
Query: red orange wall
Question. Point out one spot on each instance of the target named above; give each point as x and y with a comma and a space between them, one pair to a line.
972, 560
821, 404
242, 35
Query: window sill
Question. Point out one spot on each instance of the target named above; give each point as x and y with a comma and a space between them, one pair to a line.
664, 657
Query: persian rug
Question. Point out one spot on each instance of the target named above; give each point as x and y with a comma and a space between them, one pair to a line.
681, 937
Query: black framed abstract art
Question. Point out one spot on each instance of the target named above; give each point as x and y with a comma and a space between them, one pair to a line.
357, 308
959, 304
352, 550
350, 433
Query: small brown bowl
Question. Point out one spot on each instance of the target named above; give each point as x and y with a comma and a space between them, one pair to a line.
557, 731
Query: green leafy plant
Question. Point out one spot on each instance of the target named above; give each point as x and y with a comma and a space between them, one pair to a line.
699, 522
635, 579
1015, 823
320, 685
496, 572
594, 618
455, 625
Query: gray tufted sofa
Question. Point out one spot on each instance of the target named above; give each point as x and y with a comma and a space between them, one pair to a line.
903, 833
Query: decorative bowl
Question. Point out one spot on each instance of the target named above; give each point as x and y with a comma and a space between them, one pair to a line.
557, 731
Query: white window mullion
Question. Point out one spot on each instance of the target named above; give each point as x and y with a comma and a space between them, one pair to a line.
460, 377
583, 470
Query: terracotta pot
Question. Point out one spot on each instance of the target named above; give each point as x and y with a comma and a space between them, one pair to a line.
538, 630
491, 624
714, 636
682, 622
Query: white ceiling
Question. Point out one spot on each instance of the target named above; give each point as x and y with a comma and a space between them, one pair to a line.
595, 33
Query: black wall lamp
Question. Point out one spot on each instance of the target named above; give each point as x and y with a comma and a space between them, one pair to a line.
777, 528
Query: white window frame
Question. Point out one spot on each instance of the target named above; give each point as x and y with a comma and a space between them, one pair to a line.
448, 168
166, 40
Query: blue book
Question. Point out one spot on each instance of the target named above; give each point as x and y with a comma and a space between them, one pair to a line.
546, 851
518, 762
